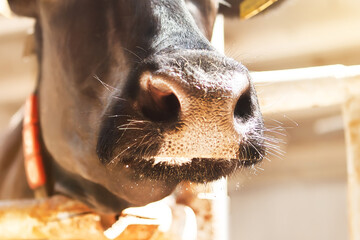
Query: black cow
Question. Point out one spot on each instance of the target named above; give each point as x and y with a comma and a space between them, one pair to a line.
133, 100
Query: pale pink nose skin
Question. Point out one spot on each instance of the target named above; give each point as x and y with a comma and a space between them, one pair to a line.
210, 114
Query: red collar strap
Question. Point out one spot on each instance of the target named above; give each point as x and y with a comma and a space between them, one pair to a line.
34, 166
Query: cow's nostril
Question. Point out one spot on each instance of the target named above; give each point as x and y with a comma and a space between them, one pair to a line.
243, 107
159, 103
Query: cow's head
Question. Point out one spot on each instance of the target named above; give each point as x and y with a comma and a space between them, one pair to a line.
134, 99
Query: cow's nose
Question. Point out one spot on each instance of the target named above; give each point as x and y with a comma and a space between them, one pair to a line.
158, 99
207, 116
164, 98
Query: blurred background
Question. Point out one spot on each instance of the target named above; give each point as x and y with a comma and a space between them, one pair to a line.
300, 192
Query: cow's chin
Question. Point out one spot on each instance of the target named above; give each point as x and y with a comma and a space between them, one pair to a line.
198, 170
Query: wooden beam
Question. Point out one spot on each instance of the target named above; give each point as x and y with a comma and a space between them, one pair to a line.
59, 217
56, 217
304, 88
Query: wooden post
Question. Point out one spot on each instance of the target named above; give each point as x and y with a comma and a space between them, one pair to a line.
220, 206
351, 113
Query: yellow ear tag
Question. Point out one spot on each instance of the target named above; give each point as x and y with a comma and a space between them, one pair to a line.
249, 8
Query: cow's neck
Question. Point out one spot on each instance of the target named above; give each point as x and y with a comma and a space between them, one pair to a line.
39, 166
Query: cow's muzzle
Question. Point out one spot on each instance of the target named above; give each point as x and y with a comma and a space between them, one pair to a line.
205, 117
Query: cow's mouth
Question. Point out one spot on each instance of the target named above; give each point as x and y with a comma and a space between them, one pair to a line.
145, 161
198, 170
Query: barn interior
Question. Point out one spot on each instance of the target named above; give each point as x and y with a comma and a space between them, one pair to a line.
300, 191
